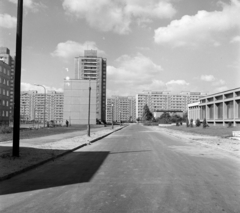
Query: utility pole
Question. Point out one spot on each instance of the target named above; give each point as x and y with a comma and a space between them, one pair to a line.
17, 81
112, 116
89, 103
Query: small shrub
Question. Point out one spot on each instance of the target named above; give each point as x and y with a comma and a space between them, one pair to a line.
5, 129
230, 124
198, 123
187, 123
205, 123
191, 122
177, 124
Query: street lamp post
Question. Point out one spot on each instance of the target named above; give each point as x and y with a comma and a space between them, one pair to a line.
112, 116
17, 81
120, 118
89, 103
44, 110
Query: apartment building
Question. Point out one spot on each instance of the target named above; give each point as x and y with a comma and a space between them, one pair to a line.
8, 59
34, 104
165, 100
120, 108
5, 78
218, 108
94, 68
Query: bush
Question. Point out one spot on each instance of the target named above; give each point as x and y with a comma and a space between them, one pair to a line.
5, 129
187, 123
205, 123
191, 122
198, 123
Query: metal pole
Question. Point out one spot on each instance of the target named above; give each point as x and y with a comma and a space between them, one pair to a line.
89, 103
112, 116
17, 81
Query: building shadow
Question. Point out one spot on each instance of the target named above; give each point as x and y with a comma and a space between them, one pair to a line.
74, 168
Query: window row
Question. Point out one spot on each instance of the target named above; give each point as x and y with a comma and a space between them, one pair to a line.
4, 70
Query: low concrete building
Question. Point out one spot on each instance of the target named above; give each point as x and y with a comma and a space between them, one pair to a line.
76, 99
194, 112
219, 108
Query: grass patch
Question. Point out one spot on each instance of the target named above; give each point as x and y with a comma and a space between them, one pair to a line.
36, 133
220, 131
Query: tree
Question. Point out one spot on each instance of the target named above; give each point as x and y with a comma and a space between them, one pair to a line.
198, 123
165, 118
185, 116
147, 114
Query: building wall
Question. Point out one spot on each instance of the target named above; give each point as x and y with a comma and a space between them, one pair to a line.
8, 59
90, 66
221, 108
76, 99
32, 106
123, 108
193, 112
5, 70
165, 100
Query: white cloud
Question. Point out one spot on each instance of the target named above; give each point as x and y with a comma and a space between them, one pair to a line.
27, 87
207, 78
7, 21
71, 49
189, 30
134, 74
219, 82
177, 85
31, 5
235, 39
221, 89
117, 16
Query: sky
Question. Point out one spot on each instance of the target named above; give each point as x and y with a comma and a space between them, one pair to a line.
173, 45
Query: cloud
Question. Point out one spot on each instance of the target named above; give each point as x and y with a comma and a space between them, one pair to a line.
189, 30
7, 21
207, 78
71, 49
136, 72
221, 89
117, 16
219, 82
31, 5
235, 39
177, 85
28, 86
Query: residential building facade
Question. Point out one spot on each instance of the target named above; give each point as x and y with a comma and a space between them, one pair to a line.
219, 108
8, 59
5, 78
33, 106
92, 67
76, 101
120, 108
165, 100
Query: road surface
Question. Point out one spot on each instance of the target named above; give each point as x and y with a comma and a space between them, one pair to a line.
133, 170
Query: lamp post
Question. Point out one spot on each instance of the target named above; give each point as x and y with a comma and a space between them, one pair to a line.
44, 110
120, 118
89, 103
17, 81
112, 116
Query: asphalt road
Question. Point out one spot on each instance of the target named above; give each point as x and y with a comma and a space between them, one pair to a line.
132, 170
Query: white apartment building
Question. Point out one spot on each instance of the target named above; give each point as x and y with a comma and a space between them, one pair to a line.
92, 67
165, 100
120, 108
33, 105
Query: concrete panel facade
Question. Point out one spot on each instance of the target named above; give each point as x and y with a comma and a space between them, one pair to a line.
219, 108
76, 99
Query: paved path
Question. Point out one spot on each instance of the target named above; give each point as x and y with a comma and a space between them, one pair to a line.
132, 170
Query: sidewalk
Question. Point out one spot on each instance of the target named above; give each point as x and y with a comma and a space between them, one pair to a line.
37, 151
228, 145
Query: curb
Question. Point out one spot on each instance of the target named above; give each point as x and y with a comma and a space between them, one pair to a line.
55, 157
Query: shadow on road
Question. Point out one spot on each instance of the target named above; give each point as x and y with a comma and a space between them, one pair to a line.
77, 167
